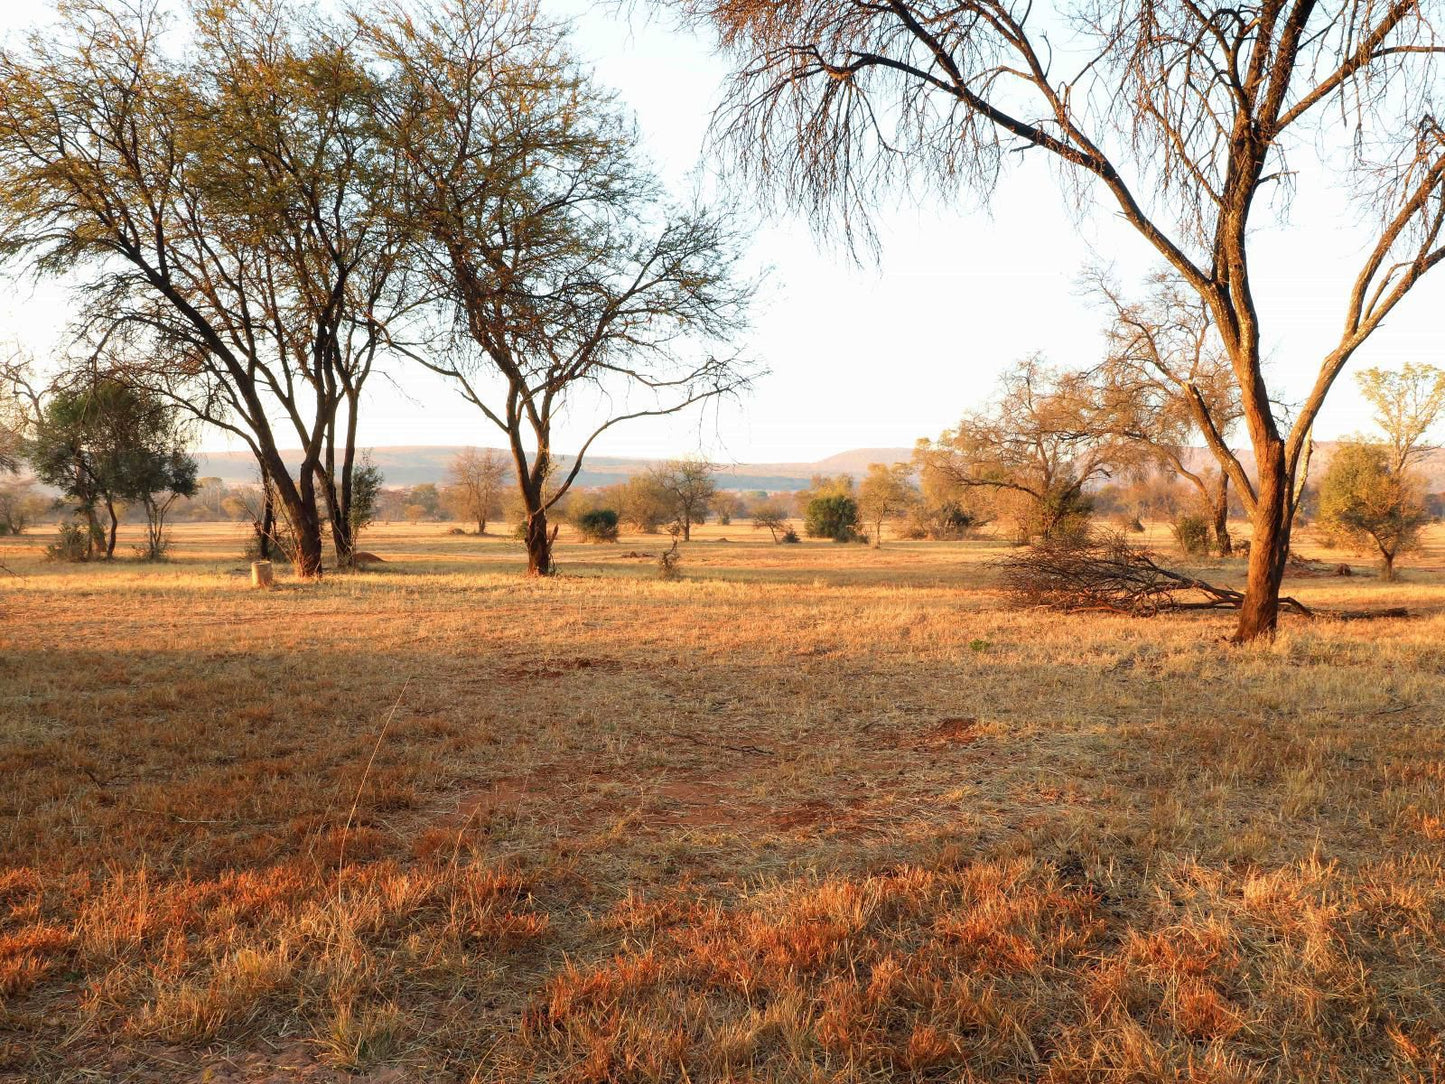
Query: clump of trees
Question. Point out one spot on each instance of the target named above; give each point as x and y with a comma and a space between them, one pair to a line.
104, 442
271, 200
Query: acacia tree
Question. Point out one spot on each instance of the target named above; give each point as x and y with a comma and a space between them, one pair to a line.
227, 212
885, 492
103, 442
1407, 403
571, 283
1046, 438
1365, 499
1165, 378
689, 490
476, 479
1182, 116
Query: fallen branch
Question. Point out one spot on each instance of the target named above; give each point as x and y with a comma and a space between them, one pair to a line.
1106, 574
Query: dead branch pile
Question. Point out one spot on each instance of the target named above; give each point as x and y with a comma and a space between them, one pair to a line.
1106, 573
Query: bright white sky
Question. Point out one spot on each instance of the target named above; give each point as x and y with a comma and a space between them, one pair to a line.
880, 356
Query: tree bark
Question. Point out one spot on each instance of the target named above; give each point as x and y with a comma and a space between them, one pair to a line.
1221, 516
1268, 548
110, 535
1387, 570
539, 545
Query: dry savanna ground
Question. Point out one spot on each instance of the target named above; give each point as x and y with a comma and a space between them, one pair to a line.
809, 813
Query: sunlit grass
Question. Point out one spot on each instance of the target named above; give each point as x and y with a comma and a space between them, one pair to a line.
811, 812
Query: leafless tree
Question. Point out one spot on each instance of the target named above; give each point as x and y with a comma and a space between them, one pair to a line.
1166, 379
1183, 116
478, 478
570, 280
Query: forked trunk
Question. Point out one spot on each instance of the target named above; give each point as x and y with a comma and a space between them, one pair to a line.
1387, 565
539, 545
1222, 540
1268, 548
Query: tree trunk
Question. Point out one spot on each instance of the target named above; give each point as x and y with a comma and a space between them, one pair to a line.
1268, 548
1221, 516
539, 545
1387, 566
110, 535
686, 528
268, 520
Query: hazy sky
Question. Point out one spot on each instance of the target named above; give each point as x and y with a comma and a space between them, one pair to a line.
879, 356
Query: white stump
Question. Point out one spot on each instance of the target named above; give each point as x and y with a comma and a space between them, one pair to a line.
261, 574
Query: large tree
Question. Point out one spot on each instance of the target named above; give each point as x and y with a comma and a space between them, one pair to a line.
227, 212
1182, 116
574, 288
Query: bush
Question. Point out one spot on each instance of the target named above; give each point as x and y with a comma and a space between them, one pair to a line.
1193, 534
72, 543
598, 525
834, 517
789, 536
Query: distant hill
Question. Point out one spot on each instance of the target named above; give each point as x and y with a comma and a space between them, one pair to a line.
412, 464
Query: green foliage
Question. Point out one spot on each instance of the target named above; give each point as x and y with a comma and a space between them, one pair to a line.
598, 525
366, 483
72, 543
834, 517
1193, 533
101, 441
1365, 500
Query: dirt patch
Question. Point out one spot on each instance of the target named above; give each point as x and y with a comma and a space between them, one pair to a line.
555, 668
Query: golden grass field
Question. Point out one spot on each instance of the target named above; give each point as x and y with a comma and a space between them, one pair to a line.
810, 813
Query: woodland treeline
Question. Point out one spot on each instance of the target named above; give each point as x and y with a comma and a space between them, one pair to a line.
259, 205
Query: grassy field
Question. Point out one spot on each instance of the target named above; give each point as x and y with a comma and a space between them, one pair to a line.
810, 813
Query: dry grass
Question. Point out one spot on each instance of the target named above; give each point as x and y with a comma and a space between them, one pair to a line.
809, 813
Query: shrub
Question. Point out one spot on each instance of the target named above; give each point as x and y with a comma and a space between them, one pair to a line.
598, 525
1193, 534
72, 543
834, 517
789, 536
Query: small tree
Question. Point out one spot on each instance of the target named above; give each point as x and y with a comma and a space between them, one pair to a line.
1407, 405
160, 478
20, 506
476, 481
690, 490
770, 516
886, 492
1365, 500
366, 481
725, 505
1044, 441
103, 442
834, 517
598, 525
560, 261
